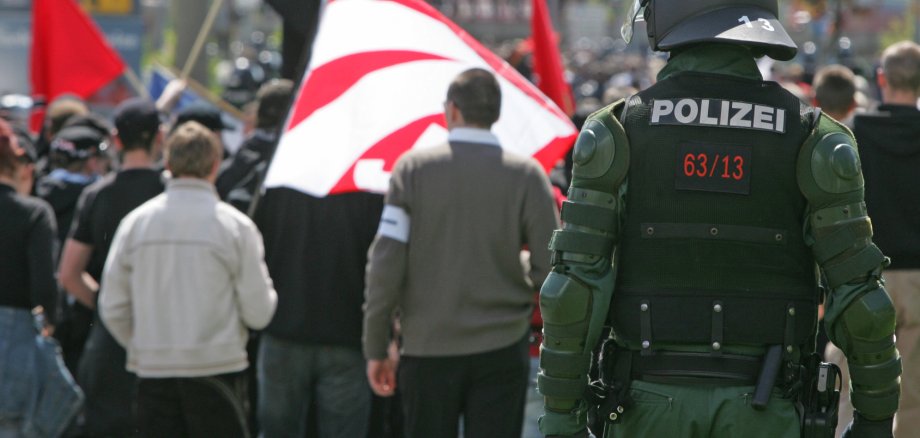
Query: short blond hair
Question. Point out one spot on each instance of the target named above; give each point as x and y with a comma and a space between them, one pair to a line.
901, 65
192, 150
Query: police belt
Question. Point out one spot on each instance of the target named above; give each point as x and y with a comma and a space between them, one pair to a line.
690, 367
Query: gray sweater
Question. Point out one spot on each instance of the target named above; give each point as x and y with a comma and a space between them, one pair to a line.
448, 253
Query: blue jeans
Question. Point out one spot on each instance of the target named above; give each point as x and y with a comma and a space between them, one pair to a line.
293, 375
38, 396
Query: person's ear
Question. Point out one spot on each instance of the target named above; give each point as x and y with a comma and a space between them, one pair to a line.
453, 115
119, 146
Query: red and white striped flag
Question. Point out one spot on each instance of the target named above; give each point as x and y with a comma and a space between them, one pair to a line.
375, 88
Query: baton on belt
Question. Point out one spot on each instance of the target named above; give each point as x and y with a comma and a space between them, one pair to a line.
767, 378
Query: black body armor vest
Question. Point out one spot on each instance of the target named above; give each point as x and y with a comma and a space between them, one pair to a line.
712, 249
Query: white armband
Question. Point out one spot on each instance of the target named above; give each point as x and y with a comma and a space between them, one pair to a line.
394, 223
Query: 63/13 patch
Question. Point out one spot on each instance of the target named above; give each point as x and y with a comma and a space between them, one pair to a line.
713, 167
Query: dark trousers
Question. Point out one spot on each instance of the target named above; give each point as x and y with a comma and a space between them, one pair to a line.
72, 331
487, 389
110, 390
193, 407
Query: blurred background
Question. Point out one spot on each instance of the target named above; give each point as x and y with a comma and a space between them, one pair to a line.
251, 43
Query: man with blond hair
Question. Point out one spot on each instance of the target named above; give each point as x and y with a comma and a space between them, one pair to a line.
890, 156
184, 280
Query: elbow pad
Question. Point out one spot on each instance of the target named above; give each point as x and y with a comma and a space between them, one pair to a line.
830, 177
576, 295
865, 333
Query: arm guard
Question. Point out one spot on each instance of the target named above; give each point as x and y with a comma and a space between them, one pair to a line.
576, 295
859, 314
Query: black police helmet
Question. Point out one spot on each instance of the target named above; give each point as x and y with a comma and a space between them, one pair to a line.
753, 23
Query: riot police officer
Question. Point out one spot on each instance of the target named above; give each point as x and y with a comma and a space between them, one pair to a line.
707, 217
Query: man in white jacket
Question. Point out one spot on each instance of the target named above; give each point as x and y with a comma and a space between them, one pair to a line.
184, 280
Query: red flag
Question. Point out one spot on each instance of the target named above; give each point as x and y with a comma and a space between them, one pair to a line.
364, 101
69, 53
547, 64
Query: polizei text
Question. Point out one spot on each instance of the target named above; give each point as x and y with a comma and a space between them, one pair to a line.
718, 113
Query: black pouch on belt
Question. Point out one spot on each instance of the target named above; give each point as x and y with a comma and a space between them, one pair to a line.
609, 395
820, 400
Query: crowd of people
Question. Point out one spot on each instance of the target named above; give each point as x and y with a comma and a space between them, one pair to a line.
108, 226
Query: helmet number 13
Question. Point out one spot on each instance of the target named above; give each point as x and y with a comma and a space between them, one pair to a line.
764, 23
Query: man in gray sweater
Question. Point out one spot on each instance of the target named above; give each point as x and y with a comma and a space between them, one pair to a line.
447, 255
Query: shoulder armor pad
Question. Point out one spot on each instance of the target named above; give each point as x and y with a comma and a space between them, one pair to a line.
601, 150
835, 164
829, 161
594, 149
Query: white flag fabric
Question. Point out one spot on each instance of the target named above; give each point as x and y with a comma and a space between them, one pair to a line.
375, 88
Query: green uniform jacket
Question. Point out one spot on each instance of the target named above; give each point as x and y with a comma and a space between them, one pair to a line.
577, 295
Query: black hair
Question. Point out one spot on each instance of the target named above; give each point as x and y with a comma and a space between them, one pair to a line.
477, 95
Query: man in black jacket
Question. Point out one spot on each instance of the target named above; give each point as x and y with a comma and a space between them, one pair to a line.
239, 180
316, 250
239, 176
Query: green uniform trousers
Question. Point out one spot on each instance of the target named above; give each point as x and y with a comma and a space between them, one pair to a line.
703, 411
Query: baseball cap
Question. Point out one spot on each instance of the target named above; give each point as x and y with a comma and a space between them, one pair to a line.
207, 115
78, 143
137, 121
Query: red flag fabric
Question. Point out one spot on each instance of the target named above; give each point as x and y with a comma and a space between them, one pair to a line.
69, 53
364, 100
547, 63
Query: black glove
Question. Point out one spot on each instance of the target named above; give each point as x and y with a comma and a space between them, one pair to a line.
861, 427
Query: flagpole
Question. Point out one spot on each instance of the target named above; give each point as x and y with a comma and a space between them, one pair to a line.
203, 92
217, 101
199, 40
136, 83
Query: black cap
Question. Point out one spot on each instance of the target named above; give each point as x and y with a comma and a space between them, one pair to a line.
207, 115
752, 23
137, 121
77, 143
